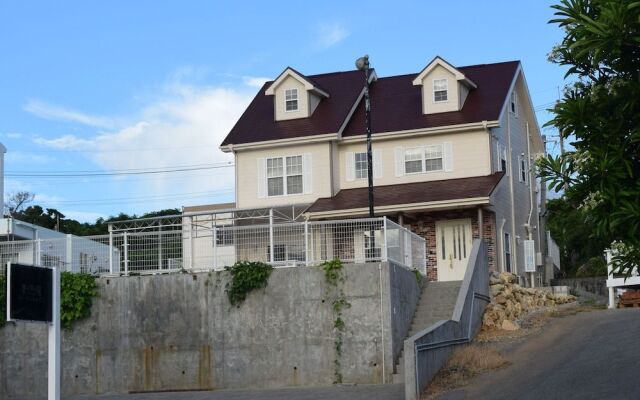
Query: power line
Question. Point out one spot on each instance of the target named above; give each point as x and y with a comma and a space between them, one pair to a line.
119, 200
79, 174
122, 150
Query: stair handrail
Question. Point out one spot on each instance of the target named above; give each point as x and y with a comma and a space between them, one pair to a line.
439, 339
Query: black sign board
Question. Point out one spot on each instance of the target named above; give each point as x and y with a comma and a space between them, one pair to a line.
30, 293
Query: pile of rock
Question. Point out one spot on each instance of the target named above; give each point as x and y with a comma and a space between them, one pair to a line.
510, 302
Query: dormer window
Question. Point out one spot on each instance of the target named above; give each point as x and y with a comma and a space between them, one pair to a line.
444, 88
291, 100
440, 87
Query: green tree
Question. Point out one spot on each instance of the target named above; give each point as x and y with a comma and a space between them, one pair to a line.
600, 113
574, 235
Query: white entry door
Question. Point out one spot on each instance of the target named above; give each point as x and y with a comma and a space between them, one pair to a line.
453, 239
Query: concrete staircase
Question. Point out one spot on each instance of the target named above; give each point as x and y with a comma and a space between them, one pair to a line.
437, 301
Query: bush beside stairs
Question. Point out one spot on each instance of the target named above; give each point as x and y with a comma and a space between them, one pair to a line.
437, 301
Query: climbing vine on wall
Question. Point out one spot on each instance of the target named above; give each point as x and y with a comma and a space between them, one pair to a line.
76, 297
245, 277
334, 277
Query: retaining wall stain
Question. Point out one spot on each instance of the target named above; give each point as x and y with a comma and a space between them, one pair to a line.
204, 368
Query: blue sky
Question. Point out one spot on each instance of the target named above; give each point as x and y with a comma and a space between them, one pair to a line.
144, 85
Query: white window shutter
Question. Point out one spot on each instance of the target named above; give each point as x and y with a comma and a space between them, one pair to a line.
520, 168
447, 150
498, 156
399, 161
262, 178
351, 166
307, 173
507, 161
377, 164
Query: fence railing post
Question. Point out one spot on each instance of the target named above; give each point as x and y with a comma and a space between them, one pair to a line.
191, 263
69, 254
612, 290
111, 250
126, 252
424, 256
215, 247
38, 255
384, 239
271, 257
159, 247
306, 242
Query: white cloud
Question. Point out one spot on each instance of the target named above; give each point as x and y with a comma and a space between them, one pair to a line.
330, 34
12, 135
27, 157
59, 113
184, 126
255, 81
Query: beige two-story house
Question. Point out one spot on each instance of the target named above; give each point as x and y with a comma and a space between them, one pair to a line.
452, 154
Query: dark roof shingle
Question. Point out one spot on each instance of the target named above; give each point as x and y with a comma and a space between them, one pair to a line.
410, 193
396, 105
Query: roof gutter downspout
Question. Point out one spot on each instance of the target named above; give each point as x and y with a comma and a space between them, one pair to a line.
529, 228
513, 209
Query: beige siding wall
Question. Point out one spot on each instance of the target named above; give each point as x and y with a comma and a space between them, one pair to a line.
470, 152
279, 100
247, 178
428, 105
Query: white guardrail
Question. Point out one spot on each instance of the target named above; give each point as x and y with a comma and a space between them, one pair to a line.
197, 246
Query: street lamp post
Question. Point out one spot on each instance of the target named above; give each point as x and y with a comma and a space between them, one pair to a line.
362, 64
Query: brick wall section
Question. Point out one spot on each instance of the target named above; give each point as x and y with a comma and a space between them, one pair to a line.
425, 226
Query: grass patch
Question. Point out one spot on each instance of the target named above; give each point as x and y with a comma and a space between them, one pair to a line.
465, 363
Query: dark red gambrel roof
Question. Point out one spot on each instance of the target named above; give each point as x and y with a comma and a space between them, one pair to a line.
410, 193
396, 105
258, 123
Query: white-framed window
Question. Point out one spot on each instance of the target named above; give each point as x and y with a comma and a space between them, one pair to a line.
413, 159
361, 166
423, 159
507, 252
433, 158
523, 169
357, 166
284, 175
440, 89
372, 244
513, 103
224, 237
291, 100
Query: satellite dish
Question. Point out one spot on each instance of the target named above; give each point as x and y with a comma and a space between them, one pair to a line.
362, 63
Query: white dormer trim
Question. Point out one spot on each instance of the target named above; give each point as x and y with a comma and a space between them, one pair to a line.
290, 72
438, 61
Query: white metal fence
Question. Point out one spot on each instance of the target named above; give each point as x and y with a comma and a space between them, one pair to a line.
199, 245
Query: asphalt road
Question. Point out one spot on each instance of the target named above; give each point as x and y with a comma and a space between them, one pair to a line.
593, 355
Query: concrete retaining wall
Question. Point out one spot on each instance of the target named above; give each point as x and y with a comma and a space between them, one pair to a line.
179, 332
596, 285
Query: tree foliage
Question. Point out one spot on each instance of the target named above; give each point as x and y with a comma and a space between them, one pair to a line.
600, 112
574, 234
50, 217
16, 201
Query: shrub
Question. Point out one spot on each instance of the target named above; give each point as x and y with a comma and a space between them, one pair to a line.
76, 297
245, 277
